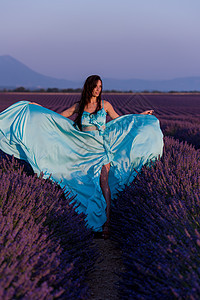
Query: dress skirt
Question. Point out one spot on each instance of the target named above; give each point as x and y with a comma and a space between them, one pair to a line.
52, 145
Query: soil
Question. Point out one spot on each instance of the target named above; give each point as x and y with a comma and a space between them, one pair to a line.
104, 280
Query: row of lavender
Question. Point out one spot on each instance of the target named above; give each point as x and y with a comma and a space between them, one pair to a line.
45, 248
182, 128
156, 222
179, 114
163, 104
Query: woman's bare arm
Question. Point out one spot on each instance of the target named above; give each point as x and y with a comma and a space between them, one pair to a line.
112, 113
70, 111
66, 113
110, 110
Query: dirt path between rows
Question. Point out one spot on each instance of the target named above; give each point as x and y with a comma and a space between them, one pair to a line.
103, 281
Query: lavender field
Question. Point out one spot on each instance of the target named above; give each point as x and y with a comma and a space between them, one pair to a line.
155, 220
179, 114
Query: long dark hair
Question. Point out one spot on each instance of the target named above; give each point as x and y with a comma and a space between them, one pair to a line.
86, 95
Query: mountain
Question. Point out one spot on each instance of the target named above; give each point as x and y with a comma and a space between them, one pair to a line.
14, 74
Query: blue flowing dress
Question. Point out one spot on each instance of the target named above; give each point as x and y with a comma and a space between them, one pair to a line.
53, 145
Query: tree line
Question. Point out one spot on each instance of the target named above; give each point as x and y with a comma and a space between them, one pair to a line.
22, 89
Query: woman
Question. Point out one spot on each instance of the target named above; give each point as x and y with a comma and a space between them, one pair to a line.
92, 158
92, 105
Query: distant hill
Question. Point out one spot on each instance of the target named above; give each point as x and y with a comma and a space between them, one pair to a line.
15, 74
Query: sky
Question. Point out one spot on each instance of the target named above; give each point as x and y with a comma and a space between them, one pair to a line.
123, 39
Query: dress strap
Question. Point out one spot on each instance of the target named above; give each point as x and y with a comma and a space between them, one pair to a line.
103, 104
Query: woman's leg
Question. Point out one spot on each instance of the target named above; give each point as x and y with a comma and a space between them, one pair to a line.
107, 195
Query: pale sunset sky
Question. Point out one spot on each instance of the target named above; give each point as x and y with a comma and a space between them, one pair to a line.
123, 39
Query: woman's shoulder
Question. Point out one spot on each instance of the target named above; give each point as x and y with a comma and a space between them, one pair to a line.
110, 110
105, 102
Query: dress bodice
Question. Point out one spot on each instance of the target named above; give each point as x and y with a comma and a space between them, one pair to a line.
98, 119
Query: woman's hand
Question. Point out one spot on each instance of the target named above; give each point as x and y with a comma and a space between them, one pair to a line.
35, 103
147, 112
